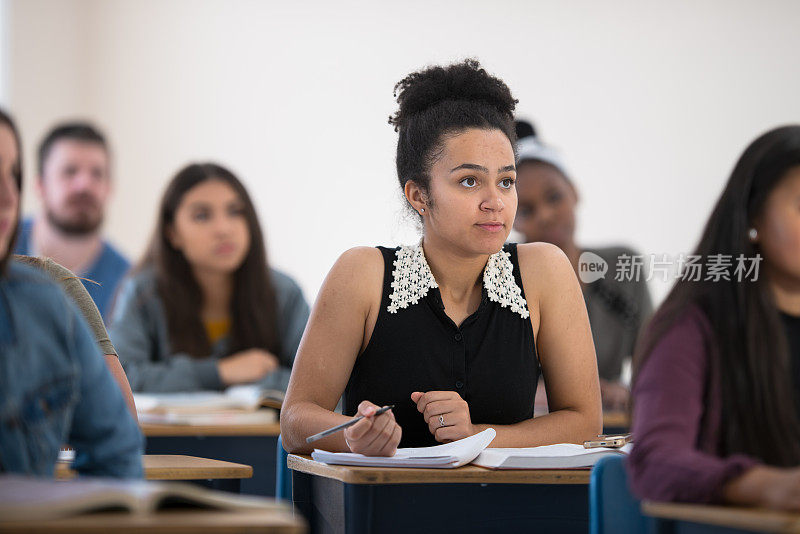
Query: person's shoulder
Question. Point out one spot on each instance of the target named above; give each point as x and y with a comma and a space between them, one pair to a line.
283, 282
691, 319
140, 282
681, 339
360, 260
542, 259
544, 269
32, 287
27, 270
114, 259
34, 261
54, 270
357, 272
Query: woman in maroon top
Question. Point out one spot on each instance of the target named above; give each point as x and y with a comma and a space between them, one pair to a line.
715, 393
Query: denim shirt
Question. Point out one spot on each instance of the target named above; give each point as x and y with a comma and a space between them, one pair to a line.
55, 388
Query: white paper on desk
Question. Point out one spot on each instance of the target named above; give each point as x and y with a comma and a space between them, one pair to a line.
559, 456
216, 418
454, 454
194, 402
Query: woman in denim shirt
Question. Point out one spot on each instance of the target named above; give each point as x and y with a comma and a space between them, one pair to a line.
54, 385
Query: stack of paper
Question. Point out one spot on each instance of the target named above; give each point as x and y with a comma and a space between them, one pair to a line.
561, 456
454, 454
215, 418
235, 405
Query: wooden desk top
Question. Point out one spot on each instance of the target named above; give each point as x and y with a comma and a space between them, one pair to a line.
157, 430
468, 474
166, 522
176, 467
757, 519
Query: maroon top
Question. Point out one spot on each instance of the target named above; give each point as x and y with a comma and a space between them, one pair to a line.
676, 419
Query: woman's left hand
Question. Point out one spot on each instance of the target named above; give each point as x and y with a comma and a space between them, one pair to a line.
446, 413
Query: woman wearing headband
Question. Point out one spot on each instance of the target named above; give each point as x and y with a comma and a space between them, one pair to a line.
617, 308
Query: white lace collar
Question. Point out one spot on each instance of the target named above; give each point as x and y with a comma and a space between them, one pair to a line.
412, 278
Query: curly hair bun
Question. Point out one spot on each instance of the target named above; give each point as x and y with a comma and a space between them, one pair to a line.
524, 129
465, 81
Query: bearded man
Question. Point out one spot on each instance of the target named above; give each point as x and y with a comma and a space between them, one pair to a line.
74, 187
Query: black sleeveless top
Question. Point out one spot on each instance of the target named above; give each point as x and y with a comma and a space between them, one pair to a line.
490, 359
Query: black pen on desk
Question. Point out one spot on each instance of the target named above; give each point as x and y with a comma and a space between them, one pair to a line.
351, 422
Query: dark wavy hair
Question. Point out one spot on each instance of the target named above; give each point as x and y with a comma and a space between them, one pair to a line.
751, 353
75, 131
6, 120
438, 102
253, 304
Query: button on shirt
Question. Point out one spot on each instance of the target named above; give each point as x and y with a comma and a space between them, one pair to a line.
490, 359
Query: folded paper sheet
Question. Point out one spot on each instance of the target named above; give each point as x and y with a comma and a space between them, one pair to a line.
454, 454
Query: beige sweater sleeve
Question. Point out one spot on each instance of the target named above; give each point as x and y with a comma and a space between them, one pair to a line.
73, 287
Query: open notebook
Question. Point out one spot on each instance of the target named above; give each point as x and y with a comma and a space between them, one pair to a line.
453, 454
27, 498
474, 450
561, 456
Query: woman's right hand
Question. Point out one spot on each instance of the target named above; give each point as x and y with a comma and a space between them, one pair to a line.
373, 436
246, 366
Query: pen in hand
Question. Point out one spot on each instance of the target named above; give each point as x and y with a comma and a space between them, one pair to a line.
351, 422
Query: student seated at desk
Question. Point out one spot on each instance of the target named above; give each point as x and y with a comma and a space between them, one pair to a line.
202, 310
717, 386
75, 290
617, 310
450, 331
54, 386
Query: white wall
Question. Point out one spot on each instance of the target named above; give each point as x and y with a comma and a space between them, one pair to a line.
650, 102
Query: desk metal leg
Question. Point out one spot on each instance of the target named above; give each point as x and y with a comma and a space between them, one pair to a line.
303, 497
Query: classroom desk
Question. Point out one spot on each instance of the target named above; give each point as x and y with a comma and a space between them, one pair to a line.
336, 498
165, 522
227, 475
249, 444
675, 518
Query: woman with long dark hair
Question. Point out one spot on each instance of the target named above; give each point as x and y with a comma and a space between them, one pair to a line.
203, 310
718, 374
451, 331
55, 387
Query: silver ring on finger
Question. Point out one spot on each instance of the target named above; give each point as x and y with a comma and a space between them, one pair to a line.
441, 420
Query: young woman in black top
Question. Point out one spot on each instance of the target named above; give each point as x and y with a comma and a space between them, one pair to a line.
451, 331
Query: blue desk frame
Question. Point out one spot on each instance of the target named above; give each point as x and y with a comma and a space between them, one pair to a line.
256, 451
330, 505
